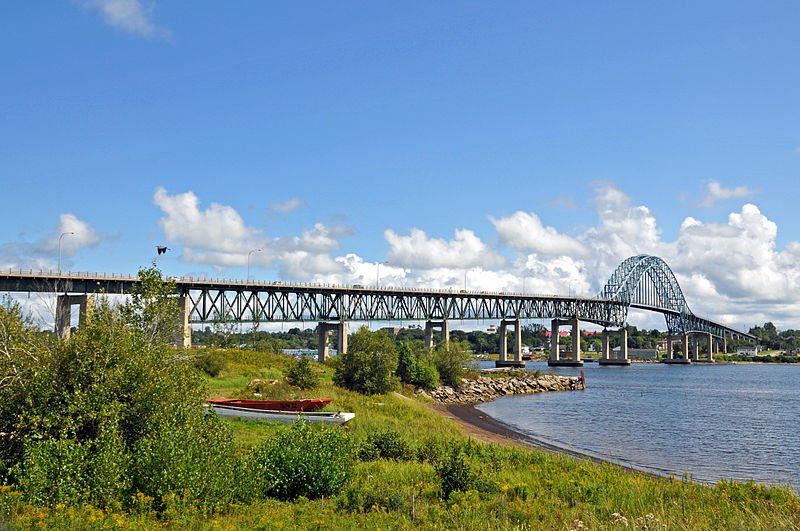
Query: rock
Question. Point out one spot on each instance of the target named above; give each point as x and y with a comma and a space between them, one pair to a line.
483, 389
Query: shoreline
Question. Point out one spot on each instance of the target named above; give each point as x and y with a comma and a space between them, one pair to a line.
485, 428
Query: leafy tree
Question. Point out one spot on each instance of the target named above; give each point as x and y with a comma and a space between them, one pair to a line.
301, 374
415, 366
450, 360
369, 364
153, 307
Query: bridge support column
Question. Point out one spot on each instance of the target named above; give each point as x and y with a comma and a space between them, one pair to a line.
64, 305
696, 351
185, 330
323, 330
710, 356
429, 328
724, 344
608, 358
684, 359
341, 344
555, 357
504, 361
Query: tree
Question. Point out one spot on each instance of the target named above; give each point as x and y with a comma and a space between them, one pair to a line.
369, 364
450, 360
415, 366
153, 307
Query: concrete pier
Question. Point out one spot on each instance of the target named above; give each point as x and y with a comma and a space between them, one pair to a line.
430, 326
517, 349
608, 355
684, 359
64, 305
555, 356
323, 330
185, 332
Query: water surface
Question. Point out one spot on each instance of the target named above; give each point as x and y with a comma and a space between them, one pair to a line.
710, 421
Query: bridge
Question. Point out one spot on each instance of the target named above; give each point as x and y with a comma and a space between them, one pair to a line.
640, 282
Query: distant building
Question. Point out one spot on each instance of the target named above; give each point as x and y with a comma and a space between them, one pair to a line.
747, 351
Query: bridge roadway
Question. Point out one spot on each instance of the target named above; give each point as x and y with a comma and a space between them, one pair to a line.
333, 306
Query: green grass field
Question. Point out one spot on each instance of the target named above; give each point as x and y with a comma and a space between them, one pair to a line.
509, 487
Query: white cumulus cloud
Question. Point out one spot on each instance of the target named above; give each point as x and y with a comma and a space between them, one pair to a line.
524, 230
218, 235
417, 250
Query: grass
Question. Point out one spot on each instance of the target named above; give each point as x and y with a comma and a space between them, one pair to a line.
512, 487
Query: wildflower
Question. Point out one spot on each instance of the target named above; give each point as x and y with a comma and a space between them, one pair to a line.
620, 519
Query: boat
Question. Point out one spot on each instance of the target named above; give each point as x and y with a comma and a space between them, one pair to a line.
308, 404
286, 417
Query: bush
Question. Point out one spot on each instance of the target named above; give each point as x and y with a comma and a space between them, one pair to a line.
450, 360
210, 363
301, 374
302, 461
455, 472
369, 364
189, 455
109, 412
387, 444
414, 366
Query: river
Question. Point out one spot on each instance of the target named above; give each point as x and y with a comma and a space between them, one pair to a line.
707, 421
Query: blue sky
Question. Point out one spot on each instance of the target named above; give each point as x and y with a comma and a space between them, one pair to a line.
523, 142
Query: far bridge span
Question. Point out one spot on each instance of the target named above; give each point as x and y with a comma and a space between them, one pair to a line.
642, 282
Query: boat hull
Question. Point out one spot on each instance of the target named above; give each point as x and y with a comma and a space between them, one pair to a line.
285, 417
308, 404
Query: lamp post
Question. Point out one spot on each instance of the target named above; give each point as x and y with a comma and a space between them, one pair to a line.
465, 280
59, 248
378, 275
523, 283
248, 261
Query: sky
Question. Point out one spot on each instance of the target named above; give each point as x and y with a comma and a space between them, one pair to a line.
521, 146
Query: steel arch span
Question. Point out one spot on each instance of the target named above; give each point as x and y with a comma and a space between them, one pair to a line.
648, 283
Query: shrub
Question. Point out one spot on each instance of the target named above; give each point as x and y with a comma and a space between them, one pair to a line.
111, 409
189, 455
415, 367
301, 374
210, 363
455, 472
302, 460
369, 364
450, 360
387, 444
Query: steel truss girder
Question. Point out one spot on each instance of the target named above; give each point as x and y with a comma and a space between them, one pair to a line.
217, 305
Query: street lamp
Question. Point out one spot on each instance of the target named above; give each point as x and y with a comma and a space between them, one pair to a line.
248, 261
523, 283
465, 280
378, 275
59, 248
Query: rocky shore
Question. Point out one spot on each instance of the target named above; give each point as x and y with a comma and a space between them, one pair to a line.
484, 389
